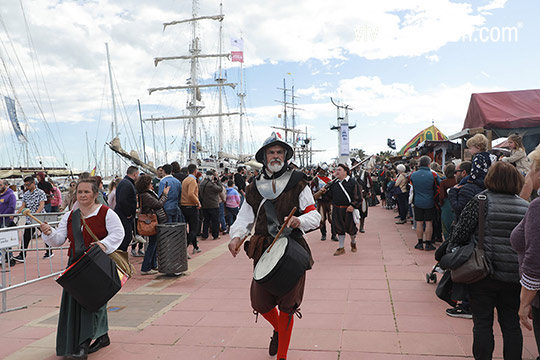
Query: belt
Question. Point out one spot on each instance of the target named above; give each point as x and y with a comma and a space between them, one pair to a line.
189, 207
341, 206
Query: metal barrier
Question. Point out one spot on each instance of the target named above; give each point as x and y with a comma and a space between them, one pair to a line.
10, 238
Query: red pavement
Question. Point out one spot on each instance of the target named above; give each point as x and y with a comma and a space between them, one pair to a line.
371, 305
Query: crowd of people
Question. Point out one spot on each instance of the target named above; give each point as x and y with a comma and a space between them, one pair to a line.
441, 203
444, 207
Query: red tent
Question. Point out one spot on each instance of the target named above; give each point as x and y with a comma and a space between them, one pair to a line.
506, 113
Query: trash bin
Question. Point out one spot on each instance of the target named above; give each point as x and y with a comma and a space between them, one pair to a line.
172, 248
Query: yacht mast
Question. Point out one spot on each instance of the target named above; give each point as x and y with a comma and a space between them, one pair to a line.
115, 121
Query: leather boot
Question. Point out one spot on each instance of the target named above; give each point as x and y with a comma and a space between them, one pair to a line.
100, 342
81, 353
362, 220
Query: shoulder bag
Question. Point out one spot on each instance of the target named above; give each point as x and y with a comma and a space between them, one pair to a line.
120, 257
146, 223
477, 266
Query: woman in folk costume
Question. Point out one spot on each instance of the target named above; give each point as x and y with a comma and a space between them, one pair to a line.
269, 200
76, 325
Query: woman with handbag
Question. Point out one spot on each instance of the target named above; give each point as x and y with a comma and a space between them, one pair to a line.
150, 204
76, 325
503, 210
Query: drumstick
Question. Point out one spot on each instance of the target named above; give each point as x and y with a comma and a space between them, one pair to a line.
282, 228
26, 212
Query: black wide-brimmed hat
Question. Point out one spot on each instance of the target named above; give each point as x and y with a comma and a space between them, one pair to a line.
274, 139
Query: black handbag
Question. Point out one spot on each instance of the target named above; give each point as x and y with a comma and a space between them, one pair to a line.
477, 266
93, 279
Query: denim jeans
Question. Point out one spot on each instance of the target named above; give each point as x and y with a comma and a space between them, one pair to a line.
150, 256
232, 213
222, 221
173, 215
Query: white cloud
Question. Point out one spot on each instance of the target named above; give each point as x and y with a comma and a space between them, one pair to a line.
492, 5
432, 58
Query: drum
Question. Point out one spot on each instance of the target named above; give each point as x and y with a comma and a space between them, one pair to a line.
279, 270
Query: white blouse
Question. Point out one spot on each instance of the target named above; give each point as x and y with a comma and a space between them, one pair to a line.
246, 217
113, 225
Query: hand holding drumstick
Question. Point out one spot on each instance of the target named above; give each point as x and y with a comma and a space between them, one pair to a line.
44, 227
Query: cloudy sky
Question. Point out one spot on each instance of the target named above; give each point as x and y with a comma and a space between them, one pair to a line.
400, 64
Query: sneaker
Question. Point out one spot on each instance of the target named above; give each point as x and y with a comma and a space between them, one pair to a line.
19, 258
12, 262
196, 250
140, 253
339, 251
353, 247
139, 239
459, 312
334, 238
419, 246
149, 272
429, 246
323, 237
133, 253
401, 222
48, 255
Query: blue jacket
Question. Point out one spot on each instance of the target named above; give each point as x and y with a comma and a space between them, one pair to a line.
175, 192
424, 188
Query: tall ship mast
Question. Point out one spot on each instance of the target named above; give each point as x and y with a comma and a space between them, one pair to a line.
193, 85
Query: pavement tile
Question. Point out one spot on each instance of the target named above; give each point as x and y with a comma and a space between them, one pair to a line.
357, 355
320, 321
423, 324
207, 336
324, 307
186, 318
430, 344
369, 322
369, 307
370, 341
368, 295
315, 339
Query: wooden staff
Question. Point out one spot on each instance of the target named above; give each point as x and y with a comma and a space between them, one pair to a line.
27, 212
282, 228
319, 193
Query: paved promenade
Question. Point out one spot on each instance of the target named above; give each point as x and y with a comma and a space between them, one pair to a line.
371, 305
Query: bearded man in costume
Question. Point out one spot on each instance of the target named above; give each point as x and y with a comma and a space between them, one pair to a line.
269, 200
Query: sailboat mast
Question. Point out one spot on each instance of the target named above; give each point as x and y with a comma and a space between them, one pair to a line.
220, 80
241, 95
115, 121
285, 110
193, 108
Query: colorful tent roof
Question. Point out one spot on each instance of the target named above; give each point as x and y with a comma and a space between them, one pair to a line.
429, 133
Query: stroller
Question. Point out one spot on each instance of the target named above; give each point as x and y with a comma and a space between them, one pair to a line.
432, 276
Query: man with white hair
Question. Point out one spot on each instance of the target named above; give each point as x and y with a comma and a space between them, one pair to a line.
403, 196
269, 200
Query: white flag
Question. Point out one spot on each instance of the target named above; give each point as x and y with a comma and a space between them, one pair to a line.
238, 43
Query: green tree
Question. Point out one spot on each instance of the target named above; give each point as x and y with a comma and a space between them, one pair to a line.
358, 153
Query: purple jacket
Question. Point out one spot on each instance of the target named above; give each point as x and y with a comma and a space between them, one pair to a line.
525, 240
8, 202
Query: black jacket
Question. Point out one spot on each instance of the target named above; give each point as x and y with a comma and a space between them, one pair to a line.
460, 197
126, 198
